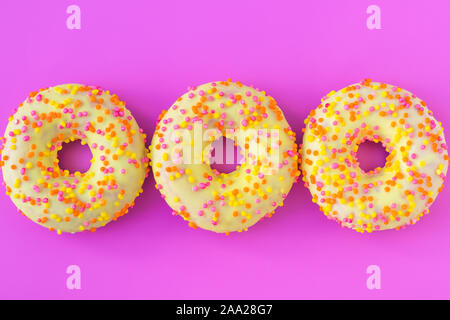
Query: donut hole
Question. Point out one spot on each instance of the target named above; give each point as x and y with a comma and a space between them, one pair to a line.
371, 155
74, 157
225, 156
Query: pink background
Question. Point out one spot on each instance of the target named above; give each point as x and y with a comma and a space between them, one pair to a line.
148, 52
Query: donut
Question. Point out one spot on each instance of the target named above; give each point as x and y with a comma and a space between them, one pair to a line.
394, 196
180, 156
58, 199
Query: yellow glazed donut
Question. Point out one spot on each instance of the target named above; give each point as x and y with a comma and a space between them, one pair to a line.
391, 197
55, 198
216, 201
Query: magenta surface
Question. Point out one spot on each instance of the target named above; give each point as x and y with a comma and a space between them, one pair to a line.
148, 52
